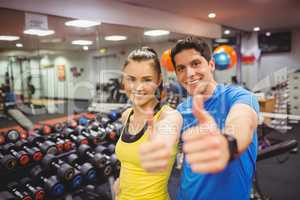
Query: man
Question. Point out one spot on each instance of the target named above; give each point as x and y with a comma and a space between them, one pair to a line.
218, 133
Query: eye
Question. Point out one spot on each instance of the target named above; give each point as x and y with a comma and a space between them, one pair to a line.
196, 63
180, 68
148, 80
130, 78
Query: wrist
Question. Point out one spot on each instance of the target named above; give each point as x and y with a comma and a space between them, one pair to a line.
232, 146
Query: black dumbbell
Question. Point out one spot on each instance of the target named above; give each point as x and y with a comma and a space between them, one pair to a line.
116, 165
20, 195
64, 170
2, 138
74, 137
97, 159
34, 152
109, 150
95, 137
58, 127
51, 184
37, 192
22, 157
86, 169
47, 147
114, 131
8, 161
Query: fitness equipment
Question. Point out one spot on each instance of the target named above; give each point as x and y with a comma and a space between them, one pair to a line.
13, 188
64, 171
8, 161
34, 152
52, 186
37, 192
166, 61
225, 57
72, 134
12, 136
46, 147
97, 159
22, 157
86, 169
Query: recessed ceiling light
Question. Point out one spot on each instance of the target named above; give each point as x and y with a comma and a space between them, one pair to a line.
19, 45
115, 38
221, 40
9, 38
103, 50
82, 23
39, 32
155, 33
85, 48
268, 34
82, 42
212, 15
227, 32
256, 28
51, 40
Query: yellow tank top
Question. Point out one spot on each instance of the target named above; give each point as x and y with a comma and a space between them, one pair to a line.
135, 182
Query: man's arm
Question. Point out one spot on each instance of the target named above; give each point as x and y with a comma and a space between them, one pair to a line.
241, 122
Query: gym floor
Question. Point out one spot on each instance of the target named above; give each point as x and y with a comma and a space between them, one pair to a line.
276, 180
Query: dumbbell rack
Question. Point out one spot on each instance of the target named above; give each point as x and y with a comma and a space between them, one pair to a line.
20, 172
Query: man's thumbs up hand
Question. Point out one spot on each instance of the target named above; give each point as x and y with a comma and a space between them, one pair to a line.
206, 150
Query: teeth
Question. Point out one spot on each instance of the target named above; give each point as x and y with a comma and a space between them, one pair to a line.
193, 82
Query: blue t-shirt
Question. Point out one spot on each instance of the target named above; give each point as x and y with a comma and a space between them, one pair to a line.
235, 181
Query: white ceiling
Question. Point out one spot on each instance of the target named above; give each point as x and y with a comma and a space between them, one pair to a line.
240, 14
12, 22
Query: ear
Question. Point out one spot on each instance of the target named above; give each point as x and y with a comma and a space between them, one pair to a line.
211, 63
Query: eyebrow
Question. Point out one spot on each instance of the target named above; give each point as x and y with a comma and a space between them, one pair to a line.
147, 76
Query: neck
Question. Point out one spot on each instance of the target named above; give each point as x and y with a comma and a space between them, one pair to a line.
141, 110
209, 90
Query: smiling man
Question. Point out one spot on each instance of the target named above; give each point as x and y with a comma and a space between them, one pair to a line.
219, 129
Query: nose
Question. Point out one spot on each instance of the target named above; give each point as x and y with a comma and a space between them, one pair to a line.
190, 72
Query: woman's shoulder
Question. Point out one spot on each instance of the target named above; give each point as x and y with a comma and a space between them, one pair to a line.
125, 114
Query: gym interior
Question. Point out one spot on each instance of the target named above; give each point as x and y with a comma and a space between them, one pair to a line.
61, 94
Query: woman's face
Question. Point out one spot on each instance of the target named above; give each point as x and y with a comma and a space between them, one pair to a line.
140, 81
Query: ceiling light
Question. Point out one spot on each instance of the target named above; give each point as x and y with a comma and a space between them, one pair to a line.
39, 32
256, 28
9, 37
19, 45
51, 40
221, 40
85, 48
82, 42
268, 34
155, 33
212, 15
82, 23
115, 38
103, 50
227, 32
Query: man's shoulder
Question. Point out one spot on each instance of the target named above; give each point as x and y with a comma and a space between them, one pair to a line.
185, 105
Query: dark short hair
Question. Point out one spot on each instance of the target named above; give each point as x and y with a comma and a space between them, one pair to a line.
191, 43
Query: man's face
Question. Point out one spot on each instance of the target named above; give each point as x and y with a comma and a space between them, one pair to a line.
193, 72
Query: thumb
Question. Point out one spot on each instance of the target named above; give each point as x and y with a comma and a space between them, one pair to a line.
199, 112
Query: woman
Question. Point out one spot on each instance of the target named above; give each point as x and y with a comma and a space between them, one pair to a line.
146, 124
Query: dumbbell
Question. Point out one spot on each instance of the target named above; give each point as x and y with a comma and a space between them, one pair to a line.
45, 129
94, 137
37, 192
22, 157
109, 150
12, 136
61, 144
72, 135
58, 127
47, 147
71, 124
86, 169
116, 165
97, 159
51, 184
114, 115
64, 171
114, 131
8, 161
83, 121
34, 152
13, 188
